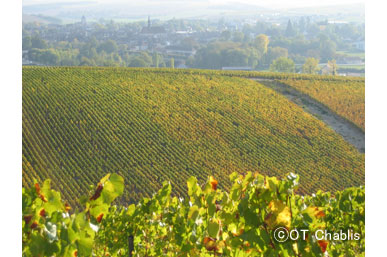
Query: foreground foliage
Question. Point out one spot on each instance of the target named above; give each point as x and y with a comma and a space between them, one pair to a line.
155, 125
210, 222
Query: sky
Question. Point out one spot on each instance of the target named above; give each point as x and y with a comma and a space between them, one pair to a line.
268, 3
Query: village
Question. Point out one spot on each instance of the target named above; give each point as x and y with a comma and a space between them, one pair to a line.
179, 41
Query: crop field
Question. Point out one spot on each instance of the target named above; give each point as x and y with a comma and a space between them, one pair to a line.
346, 98
151, 126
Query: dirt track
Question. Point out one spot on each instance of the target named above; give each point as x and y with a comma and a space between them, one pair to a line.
351, 133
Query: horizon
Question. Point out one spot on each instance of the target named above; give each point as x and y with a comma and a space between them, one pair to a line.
262, 3
69, 10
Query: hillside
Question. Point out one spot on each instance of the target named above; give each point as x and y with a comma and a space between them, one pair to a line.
151, 126
346, 98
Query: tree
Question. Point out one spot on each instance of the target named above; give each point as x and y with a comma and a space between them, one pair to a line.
142, 59
49, 56
302, 24
315, 53
313, 30
289, 29
86, 62
327, 49
146, 57
37, 42
226, 35
234, 57
27, 44
349, 31
332, 67
283, 64
93, 42
172, 63
310, 66
275, 53
253, 57
189, 43
88, 51
219, 54
207, 58
238, 36
115, 57
261, 42
44, 56
156, 60
108, 46
137, 62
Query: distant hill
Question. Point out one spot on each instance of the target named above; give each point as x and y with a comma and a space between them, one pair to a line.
162, 9
358, 8
152, 125
40, 19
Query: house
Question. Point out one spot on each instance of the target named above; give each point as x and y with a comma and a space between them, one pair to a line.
181, 51
326, 70
359, 45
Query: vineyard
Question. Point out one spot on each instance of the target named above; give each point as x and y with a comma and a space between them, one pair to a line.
256, 74
346, 98
209, 222
155, 125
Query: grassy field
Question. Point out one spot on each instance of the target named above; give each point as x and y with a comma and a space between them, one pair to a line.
355, 54
150, 126
357, 67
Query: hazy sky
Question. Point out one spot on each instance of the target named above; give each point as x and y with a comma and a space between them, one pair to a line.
269, 3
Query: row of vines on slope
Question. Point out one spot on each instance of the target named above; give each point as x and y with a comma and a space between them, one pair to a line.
79, 123
346, 98
242, 74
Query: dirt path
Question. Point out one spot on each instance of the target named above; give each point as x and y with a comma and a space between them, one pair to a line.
346, 129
